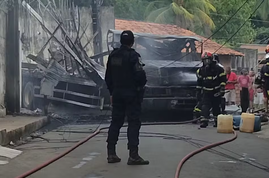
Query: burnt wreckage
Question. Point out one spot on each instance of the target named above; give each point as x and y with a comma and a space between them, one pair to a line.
71, 76
171, 63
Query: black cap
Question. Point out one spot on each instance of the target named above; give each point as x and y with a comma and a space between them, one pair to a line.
127, 37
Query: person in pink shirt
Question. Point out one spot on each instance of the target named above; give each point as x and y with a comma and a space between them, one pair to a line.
244, 83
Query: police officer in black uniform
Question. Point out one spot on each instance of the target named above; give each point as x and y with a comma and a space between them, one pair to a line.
125, 79
211, 81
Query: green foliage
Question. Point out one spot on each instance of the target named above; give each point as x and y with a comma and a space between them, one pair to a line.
262, 12
130, 9
262, 35
185, 13
261, 23
225, 8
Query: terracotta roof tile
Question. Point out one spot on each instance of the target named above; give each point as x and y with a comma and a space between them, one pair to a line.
163, 29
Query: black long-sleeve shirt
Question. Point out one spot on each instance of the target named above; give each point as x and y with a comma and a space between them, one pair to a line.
125, 70
212, 78
265, 74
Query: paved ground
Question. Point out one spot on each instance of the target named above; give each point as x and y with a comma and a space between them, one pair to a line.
244, 158
264, 133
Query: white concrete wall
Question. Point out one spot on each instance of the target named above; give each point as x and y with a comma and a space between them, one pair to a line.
106, 23
36, 37
2, 61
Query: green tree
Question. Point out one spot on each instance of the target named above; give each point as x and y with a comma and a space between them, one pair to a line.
262, 12
185, 13
261, 23
130, 9
226, 8
262, 35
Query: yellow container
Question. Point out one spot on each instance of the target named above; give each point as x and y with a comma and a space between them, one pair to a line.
225, 124
247, 123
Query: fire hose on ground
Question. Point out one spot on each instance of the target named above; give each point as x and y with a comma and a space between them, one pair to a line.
98, 131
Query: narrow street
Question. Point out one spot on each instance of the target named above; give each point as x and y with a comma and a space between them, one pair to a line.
55, 89
163, 146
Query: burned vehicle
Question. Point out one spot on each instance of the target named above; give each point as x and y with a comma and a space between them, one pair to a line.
171, 63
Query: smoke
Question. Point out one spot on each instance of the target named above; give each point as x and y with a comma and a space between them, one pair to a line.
165, 58
190, 77
166, 64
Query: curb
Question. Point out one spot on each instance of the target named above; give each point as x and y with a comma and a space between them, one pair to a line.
17, 134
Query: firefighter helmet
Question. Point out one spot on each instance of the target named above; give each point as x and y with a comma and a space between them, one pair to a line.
207, 55
207, 58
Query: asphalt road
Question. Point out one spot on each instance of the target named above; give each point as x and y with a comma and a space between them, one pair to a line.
244, 158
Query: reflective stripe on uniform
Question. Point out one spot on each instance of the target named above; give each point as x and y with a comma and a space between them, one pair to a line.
199, 87
223, 83
203, 119
197, 73
209, 89
222, 74
197, 110
266, 74
211, 77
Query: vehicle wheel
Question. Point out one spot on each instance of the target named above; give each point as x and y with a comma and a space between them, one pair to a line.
28, 96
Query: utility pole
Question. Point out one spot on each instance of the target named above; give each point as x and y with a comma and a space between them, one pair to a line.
13, 59
96, 26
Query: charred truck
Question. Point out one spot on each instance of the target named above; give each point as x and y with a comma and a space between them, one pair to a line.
171, 63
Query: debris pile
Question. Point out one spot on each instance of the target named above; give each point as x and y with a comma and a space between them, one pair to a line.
71, 58
69, 61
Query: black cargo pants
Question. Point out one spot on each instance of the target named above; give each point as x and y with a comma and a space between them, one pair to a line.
223, 105
244, 99
125, 103
210, 101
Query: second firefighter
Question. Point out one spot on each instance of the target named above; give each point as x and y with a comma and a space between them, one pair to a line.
211, 81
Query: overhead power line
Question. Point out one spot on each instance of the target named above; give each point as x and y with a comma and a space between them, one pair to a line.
250, 19
241, 26
213, 33
234, 33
